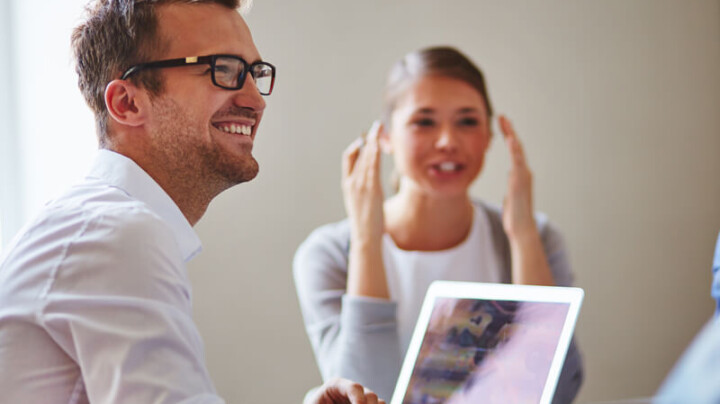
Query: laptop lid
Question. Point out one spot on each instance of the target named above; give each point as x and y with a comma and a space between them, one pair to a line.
488, 343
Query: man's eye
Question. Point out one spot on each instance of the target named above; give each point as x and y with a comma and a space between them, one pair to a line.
258, 73
222, 69
468, 122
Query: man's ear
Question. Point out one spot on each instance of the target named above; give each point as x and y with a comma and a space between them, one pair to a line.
126, 103
384, 140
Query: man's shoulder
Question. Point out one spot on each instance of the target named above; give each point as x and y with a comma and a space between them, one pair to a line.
93, 197
84, 236
100, 206
90, 215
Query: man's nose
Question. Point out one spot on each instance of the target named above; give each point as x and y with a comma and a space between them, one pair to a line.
249, 96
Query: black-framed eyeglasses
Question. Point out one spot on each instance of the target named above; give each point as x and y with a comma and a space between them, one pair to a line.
227, 71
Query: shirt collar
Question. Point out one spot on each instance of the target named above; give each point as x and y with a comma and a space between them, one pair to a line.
121, 172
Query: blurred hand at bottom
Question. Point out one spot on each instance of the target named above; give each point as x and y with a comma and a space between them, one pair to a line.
343, 391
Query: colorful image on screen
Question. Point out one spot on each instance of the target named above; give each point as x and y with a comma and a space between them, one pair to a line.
486, 351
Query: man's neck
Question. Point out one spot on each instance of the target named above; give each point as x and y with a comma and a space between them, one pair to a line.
191, 189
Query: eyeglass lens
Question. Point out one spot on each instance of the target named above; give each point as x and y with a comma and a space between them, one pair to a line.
228, 72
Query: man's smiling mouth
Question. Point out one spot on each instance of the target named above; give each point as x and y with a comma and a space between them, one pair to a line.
235, 128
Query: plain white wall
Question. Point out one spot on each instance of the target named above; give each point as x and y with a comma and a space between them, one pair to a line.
617, 103
47, 131
9, 205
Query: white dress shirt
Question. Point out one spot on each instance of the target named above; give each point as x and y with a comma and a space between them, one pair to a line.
95, 301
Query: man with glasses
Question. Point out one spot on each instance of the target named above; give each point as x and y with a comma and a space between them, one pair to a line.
94, 295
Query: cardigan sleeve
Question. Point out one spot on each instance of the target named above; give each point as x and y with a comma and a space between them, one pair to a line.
571, 376
352, 337
556, 253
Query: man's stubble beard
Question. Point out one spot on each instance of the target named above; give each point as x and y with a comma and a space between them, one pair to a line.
195, 156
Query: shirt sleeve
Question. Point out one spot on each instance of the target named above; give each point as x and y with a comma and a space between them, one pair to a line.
119, 305
694, 379
716, 278
352, 337
571, 376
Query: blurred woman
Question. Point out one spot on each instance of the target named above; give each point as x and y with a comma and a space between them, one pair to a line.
361, 281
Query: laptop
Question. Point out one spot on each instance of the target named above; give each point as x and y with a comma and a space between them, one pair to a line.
488, 343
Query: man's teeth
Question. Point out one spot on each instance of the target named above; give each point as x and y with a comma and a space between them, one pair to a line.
235, 128
448, 166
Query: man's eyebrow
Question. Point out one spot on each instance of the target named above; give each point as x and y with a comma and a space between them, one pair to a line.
466, 110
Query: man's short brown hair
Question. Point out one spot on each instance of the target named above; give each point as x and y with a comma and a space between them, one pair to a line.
116, 35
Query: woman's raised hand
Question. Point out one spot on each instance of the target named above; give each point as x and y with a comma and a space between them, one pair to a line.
362, 187
518, 219
529, 263
362, 191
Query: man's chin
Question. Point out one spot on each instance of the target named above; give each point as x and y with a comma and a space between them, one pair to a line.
248, 177
247, 172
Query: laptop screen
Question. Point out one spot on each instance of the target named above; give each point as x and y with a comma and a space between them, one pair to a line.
488, 351
477, 350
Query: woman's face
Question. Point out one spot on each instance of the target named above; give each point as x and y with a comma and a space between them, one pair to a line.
439, 133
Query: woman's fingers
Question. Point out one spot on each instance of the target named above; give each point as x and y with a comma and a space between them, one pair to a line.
516, 150
518, 216
370, 155
374, 132
372, 164
520, 175
364, 153
362, 186
350, 156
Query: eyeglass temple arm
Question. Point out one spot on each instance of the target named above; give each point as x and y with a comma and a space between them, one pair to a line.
190, 60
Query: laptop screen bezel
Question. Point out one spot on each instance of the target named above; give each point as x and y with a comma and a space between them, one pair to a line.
494, 291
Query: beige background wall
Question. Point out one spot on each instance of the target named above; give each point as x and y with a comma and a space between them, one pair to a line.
617, 102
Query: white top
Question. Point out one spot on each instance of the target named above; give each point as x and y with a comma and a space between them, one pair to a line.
410, 273
95, 302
